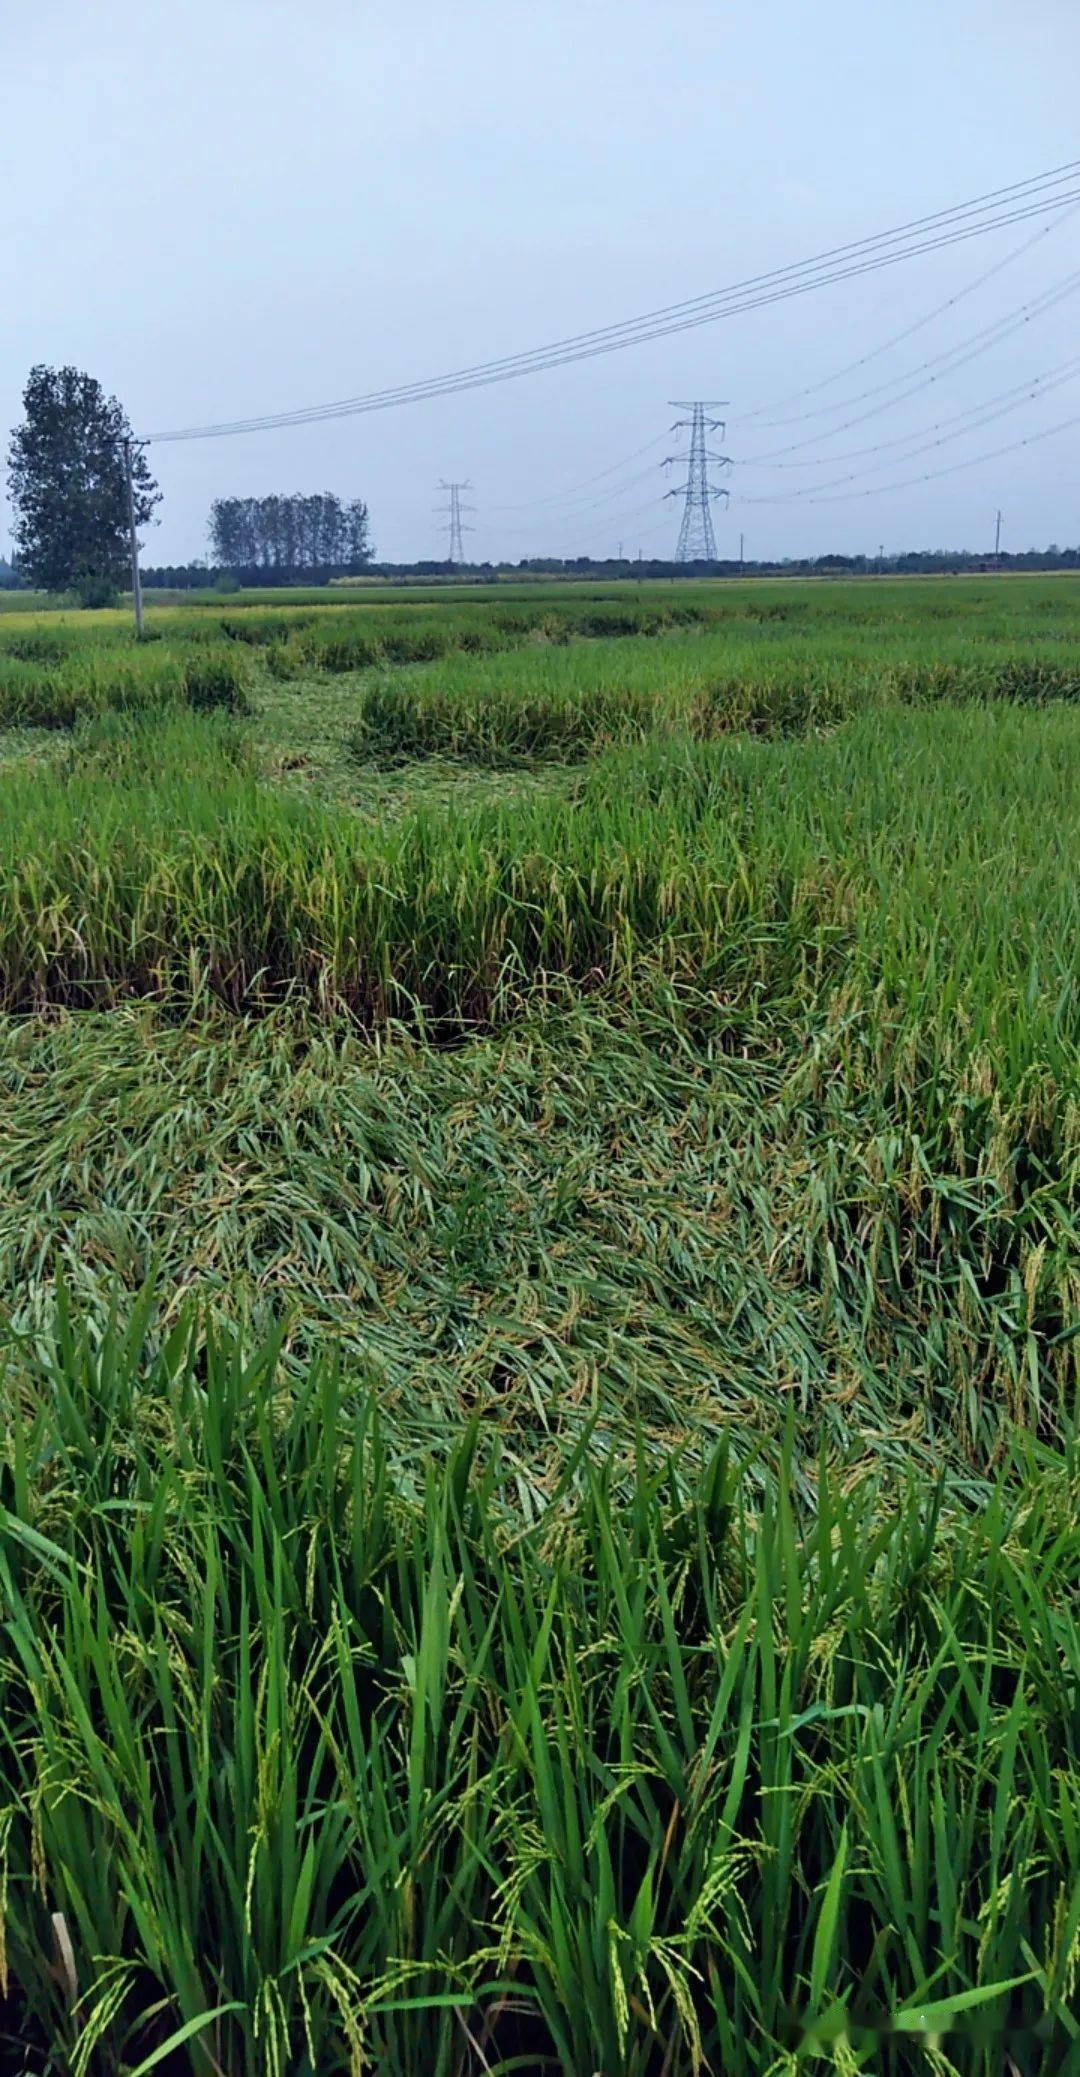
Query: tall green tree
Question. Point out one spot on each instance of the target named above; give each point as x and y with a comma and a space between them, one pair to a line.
67, 484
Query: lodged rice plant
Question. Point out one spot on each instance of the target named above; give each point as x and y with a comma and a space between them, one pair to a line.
879, 923
665, 1218
538, 1485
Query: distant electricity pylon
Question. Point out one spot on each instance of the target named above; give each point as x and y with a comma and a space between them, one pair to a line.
697, 541
454, 526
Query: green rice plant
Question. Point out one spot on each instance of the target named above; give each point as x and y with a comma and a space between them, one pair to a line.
576, 700
213, 677
95, 681
38, 645
362, 639
348, 643
344, 648
1018, 609
33, 695
261, 630
133, 748
543, 704
1036, 676
309, 1765
757, 869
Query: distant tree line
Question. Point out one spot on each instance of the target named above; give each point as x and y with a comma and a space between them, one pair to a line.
277, 539
197, 576
908, 562
911, 562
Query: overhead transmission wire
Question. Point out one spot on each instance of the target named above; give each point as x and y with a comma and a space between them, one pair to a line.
902, 440
610, 520
617, 520
984, 413
930, 371
896, 339
960, 425
1021, 391
1016, 203
563, 497
581, 510
993, 454
980, 415
1035, 392
487, 374
577, 509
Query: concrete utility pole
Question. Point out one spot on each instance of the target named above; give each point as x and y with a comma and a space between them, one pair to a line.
136, 580
997, 538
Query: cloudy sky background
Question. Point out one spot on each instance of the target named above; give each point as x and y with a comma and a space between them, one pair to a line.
242, 207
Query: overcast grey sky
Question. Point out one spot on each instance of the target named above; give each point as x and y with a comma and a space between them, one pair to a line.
240, 207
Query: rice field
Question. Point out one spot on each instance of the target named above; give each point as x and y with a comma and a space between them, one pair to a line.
539, 1303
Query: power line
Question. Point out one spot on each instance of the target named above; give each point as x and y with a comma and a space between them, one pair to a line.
897, 338
544, 360
579, 510
958, 356
980, 415
928, 446
1021, 391
618, 520
930, 476
613, 520
990, 408
1036, 196
564, 497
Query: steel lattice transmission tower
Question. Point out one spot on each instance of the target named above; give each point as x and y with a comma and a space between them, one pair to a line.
454, 524
697, 541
